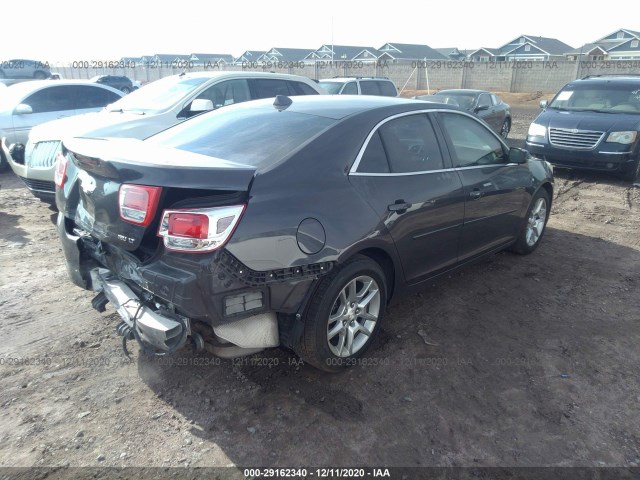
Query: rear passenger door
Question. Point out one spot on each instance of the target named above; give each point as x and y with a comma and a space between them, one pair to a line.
494, 189
404, 175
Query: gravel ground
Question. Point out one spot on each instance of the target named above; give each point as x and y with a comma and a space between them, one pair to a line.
517, 361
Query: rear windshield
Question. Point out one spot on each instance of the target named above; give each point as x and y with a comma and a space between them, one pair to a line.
244, 134
609, 98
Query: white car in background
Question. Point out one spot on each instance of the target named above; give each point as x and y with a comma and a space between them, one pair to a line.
27, 104
149, 110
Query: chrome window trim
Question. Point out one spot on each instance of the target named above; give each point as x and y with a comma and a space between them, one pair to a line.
442, 170
356, 164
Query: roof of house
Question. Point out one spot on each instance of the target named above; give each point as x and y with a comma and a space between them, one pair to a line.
584, 49
630, 32
252, 53
170, 57
626, 46
342, 52
413, 51
290, 54
448, 51
552, 46
212, 57
492, 51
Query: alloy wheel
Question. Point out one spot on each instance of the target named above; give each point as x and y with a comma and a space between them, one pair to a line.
353, 316
536, 222
504, 131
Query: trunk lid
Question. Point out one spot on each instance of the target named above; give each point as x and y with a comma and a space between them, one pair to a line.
98, 167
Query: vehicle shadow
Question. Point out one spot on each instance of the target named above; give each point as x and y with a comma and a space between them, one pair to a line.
588, 176
10, 181
10, 229
509, 362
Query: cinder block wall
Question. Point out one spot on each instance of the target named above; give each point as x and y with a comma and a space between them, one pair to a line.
419, 75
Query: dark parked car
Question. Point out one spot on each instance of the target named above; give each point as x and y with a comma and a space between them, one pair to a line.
21, 68
291, 222
592, 123
486, 105
124, 84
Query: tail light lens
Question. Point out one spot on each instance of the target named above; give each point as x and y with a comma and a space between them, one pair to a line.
60, 175
138, 203
199, 230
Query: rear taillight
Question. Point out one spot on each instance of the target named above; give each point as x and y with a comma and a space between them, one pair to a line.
60, 175
199, 230
138, 203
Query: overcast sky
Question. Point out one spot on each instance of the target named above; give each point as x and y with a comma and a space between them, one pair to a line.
82, 30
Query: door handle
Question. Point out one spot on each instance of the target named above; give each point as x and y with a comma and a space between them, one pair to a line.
475, 194
400, 206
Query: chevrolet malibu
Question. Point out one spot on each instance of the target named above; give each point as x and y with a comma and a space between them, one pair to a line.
290, 222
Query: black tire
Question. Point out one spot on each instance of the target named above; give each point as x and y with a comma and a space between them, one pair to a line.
523, 245
506, 128
314, 346
633, 173
4, 163
40, 75
125, 90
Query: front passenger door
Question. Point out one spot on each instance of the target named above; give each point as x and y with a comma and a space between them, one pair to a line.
49, 103
494, 188
486, 111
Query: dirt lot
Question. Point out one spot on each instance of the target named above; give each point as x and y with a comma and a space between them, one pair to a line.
517, 361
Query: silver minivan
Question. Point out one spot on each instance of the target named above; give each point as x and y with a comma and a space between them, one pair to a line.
149, 110
27, 104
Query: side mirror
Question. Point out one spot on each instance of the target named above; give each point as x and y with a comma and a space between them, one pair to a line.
23, 109
518, 155
482, 107
543, 104
201, 105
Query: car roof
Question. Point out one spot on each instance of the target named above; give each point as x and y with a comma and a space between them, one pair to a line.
346, 79
240, 74
338, 107
19, 90
605, 79
462, 90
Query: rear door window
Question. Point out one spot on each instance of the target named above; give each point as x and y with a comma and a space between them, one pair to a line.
270, 87
350, 88
374, 158
411, 144
387, 89
369, 87
87, 96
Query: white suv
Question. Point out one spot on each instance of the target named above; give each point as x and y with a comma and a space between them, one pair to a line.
359, 86
149, 110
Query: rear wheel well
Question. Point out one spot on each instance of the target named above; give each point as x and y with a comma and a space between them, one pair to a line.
383, 259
